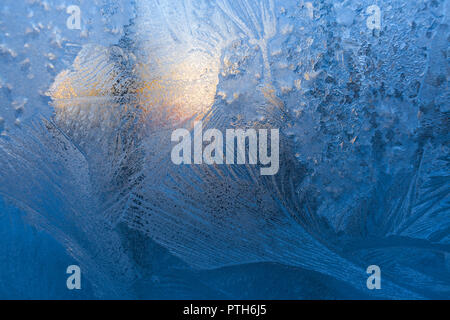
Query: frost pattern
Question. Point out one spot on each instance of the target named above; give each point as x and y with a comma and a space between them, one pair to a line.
364, 176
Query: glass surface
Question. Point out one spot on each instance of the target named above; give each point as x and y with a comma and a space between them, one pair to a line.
92, 93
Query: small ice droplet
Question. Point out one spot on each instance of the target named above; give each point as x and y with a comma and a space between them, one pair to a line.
345, 16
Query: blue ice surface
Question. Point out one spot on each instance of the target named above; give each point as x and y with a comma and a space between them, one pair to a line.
85, 171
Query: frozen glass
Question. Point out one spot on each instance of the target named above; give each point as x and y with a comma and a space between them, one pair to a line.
91, 92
